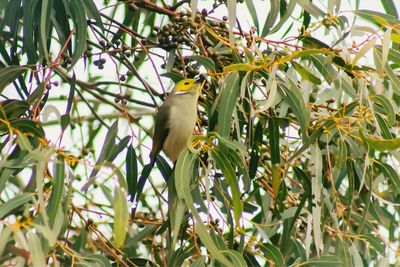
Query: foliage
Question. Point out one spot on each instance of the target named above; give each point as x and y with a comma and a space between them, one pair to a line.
295, 158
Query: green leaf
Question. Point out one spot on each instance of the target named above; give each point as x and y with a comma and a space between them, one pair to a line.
375, 242
393, 78
394, 55
323, 65
176, 220
384, 127
390, 7
314, 11
232, 144
381, 144
306, 74
288, 12
271, 18
131, 169
44, 25
173, 76
4, 237
121, 216
231, 5
93, 12
60, 20
366, 47
180, 255
295, 100
229, 96
12, 109
377, 18
236, 258
324, 261
28, 30
346, 110
241, 67
242, 167
387, 107
253, 13
342, 155
390, 173
204, 61
273, 134
14, 203
273, 253
9, 74
97, 260
229, 173
57, 192
25, 126
183, 174
37, 255
109, 151
66, 118
79, 19
200, 262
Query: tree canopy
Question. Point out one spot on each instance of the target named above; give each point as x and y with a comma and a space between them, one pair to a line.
294, 160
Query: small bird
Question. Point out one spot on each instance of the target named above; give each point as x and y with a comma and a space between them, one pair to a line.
176, 119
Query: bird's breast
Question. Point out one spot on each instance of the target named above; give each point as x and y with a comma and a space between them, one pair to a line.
181, 122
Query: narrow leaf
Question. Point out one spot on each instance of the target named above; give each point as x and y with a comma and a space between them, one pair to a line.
295, 100
229, 96
306, 74
183, 173
79, 18
229, 174
131, 169
231, 4
121, 217
9, 74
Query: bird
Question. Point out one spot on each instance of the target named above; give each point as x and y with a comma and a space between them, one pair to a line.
174, 124
176, 119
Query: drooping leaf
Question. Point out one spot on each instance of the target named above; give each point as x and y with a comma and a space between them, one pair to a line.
295, 100
14, 203
229, 96
306, 74
121, 216
25, 126
381, 144
79, 17
271, 18
131, 169
204, 61
93, 12
229, 174
9, 74
183, 172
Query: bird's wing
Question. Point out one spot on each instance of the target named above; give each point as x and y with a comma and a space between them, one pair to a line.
161, 130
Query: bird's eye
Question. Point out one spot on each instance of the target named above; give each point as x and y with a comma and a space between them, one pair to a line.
186, 83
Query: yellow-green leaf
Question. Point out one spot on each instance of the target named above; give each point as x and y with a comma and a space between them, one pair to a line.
381, 144
241, 67
121, 216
